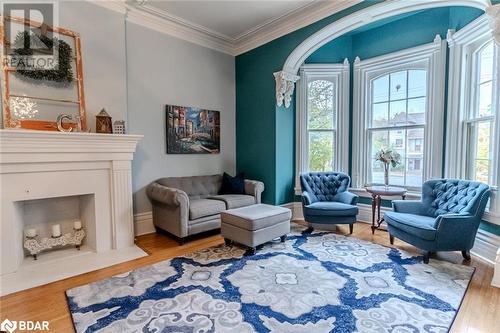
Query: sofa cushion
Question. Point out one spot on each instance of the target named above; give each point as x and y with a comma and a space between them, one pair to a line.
205, 207
232, 185
325, 208
234, 200
417, 225
256, 217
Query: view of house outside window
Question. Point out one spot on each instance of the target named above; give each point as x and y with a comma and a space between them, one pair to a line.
397, 122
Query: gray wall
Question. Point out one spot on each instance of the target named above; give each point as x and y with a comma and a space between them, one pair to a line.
133, 72
164, 70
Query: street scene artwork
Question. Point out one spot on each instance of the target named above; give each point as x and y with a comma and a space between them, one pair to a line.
192, 130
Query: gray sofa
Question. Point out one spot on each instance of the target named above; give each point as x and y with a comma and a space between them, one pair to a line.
184, 206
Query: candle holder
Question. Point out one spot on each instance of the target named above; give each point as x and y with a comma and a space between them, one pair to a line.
35, 245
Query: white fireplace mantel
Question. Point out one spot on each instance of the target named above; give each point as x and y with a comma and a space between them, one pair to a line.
40, 165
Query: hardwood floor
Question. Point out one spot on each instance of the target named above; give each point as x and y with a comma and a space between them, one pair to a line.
480, 310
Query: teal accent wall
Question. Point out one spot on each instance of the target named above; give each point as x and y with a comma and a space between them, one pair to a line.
265, 134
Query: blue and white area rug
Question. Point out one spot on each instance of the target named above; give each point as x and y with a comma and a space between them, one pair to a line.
320, 282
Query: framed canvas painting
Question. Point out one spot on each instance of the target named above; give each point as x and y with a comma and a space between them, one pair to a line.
192, 130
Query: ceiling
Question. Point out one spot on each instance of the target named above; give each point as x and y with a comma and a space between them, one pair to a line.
230, 19
229, 26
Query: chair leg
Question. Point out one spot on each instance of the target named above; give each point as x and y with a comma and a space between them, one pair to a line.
466, 255
391, 239
283, 238
351, 228
309, 229
427, 254
227, 241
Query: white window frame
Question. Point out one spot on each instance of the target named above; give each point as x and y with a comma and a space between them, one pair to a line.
462, 74
339, 74
431, 57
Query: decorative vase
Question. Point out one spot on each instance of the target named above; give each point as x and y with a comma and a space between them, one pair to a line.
386, 175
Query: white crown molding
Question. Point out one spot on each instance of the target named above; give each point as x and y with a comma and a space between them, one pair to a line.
144, 14
289, 22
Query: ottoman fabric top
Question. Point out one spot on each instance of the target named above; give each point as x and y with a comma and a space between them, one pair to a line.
256, 217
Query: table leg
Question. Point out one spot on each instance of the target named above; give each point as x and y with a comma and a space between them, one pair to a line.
374, 203
379, 203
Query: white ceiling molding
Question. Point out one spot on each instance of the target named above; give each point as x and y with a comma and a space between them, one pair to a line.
142, 13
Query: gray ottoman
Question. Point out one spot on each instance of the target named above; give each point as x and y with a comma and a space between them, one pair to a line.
255, 225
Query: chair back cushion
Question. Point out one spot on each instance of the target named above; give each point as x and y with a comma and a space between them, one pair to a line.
196, 187
445, 196
323, 186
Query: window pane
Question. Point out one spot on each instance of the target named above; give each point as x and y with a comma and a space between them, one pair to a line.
321, 151
417, 83
486, 63
379, 114
380, 90
485, 97
409, 144
397, 113
398, 85
416, 111
321, 106
379, 140
397, 143
414, 157
481, 137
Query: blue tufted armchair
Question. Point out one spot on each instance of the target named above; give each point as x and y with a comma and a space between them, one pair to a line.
446, 219
325, 199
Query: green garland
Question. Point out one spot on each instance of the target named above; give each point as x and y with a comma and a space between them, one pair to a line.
63, 73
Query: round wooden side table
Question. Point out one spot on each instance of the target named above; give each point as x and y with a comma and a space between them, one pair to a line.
377, 193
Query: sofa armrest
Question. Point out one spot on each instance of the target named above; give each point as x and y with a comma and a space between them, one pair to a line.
458, 231
306, 198
408, 206
167, 195
254, 188
346, 197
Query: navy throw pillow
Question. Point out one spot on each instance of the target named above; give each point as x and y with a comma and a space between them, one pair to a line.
232, 185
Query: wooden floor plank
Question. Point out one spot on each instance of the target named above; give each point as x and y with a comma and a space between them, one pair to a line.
479, 313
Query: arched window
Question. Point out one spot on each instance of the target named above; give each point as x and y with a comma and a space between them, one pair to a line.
398, 105
322, 118
397, 122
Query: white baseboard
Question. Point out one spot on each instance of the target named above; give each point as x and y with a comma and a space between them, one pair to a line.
143, 223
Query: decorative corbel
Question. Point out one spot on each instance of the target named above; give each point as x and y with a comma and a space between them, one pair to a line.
493, 13
285, 84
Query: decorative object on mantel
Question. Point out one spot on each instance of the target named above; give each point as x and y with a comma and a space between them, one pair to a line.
36, 245
59, 123
23, 107
388, 157
192, 130
23, 46
285, 84
119, 127
103, 122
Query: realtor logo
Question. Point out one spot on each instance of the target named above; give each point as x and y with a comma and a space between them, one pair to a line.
8, 326
29, 40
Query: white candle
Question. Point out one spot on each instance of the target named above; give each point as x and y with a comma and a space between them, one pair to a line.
56, 230
77, 225
31, 232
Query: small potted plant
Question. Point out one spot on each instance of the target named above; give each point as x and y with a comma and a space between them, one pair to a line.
388, 157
